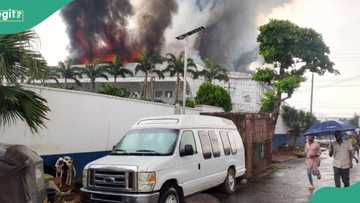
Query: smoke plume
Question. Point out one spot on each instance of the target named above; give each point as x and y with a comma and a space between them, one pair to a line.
101, 29
231, 36
97, 29
153, 18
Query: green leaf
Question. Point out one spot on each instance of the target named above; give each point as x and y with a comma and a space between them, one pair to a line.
17, 103
288, 84
18, 61
265, 75
268, 102
214, 95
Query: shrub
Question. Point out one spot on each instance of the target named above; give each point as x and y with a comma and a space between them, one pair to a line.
214, 95
113, 90
190, 103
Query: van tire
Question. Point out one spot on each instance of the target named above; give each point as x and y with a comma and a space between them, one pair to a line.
229, 185
170, 192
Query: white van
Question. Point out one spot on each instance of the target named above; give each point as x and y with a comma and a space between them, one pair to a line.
164, 159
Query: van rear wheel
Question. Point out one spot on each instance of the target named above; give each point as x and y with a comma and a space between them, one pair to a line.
229, 185
169, 194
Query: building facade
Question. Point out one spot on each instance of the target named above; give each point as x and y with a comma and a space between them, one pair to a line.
245, 93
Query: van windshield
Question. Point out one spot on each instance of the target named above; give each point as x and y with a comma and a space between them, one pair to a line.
147, 142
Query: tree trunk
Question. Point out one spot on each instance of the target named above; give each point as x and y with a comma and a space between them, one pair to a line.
65, 83
145, 86
276, 112
277, 108
115, 79
177, 88
93, 85
152, 88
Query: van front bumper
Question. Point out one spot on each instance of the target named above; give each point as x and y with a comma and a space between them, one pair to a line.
91, 196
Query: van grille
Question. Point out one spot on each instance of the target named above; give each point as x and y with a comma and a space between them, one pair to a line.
112, 180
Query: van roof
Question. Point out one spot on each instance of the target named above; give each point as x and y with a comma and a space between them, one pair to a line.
185, 121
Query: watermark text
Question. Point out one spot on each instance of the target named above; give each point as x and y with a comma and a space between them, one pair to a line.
11, 15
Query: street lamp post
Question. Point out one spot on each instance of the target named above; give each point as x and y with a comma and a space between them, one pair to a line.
312, 93
185, 73
184, 37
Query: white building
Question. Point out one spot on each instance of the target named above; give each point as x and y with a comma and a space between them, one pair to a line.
245, 93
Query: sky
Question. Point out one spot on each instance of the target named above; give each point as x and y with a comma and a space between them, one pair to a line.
337, 20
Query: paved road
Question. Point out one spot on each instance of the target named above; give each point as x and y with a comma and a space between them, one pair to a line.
288, 185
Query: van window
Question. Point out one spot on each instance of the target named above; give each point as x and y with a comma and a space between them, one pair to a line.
149, 142
233, 142
215, 144
226, 143
187, 139
205, 144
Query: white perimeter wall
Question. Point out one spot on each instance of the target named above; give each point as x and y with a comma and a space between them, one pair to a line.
82, 121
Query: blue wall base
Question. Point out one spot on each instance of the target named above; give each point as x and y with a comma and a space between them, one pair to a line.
279, 140
80, 159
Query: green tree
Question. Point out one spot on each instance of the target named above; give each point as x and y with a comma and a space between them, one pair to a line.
214, 95
16, 60
175, 66
213, 71
146, 64
289, 52
67, 71
116, 69
297, 121
53, 74
37, 72
94, 71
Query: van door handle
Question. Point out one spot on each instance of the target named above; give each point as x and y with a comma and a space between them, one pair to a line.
199, 166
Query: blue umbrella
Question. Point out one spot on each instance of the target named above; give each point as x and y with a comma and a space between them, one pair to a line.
328, 128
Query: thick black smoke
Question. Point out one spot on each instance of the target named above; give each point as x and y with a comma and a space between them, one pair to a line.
154, 18
230, 38
97, 28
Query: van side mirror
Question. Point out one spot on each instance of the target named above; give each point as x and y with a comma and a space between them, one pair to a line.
188, 150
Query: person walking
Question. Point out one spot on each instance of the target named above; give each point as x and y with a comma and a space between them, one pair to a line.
312, 153
342, 152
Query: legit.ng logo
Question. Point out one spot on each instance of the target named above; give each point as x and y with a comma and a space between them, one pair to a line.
11, 16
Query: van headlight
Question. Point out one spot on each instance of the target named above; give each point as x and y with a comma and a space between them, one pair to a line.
146, 181
85, 177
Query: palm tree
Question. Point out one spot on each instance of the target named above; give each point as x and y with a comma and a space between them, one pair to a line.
52, 73
68, 72
176, 67
37, 72
147, 64
16, 59
94, 71
213, 72
116, 69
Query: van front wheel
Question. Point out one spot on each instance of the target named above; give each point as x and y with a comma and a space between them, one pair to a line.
229, 185
169, 194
